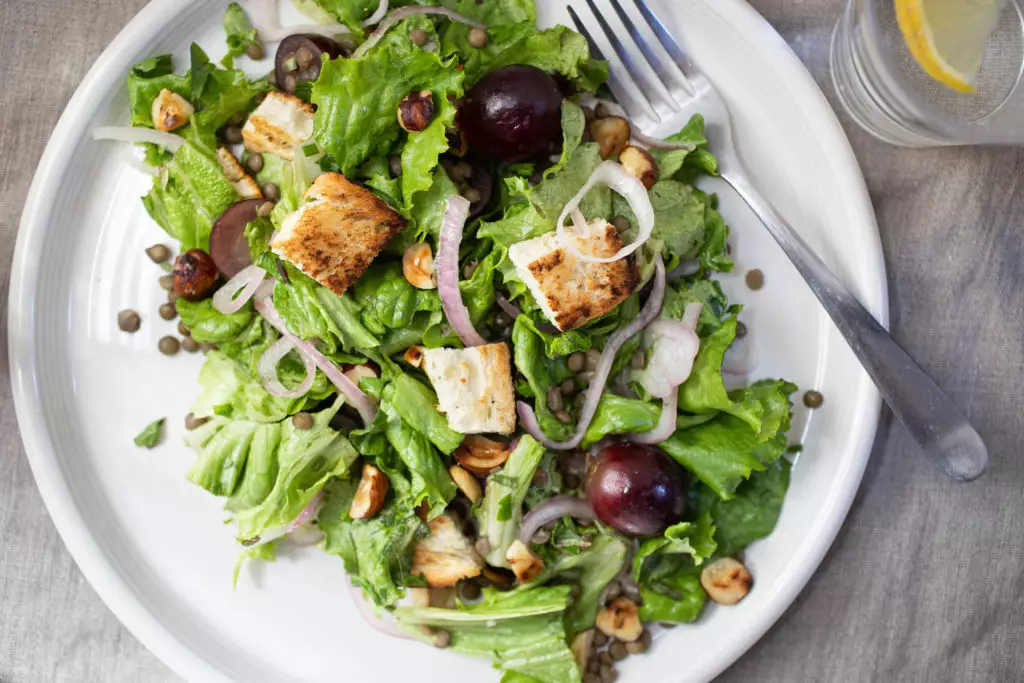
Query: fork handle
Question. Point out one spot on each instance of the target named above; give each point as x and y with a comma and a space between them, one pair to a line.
937, 425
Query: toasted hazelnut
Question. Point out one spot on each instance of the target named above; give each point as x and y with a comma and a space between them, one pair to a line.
612, 133
171, 111
621, 620
413, 356
726, 581
369, 498
639, 164
418, 266
525, 564
481, 455
582, 646
416, 111
466, 482
357, 372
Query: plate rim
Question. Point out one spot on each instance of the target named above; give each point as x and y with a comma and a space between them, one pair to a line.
57, 493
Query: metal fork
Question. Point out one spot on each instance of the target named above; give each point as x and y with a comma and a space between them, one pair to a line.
655, 82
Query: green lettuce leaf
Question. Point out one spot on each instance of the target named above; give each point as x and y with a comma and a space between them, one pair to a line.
674, 596
751, 514
557, 50
501, 511
430, 480
540, 374
519, 631
667, 571
351, 13
189, 197
149, 437
229, 389
416, 404
145, 81
388, 301
312, 312
421, 152
290, 466
238, 32
592, 570
376, 551
357, 99
207, 325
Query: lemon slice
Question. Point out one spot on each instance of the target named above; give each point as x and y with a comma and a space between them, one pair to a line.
948, 37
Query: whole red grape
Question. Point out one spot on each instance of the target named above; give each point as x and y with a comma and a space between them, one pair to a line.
636, 489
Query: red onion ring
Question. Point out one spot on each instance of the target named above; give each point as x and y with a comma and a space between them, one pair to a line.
554, 509
666, 423
675, 346
265, 306
511, 310
309, 513
366, 611
266, 370
648, 313
379, 13
239, 289
172, 143
454, 220
404, 13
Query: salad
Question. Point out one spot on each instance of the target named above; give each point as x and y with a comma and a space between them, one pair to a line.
460, 328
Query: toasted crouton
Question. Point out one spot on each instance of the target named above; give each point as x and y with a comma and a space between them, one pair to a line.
445, 556
524, 563
336, 236
243, 183
474, 387
568, 289
279, 125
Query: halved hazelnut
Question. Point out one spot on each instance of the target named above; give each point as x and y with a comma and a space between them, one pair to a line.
621, 620
726, 581
357, 372
418, 266
413, 356
639, 164
466, 482
171, 111
525, 564
481, 455
370, 495
612, 133
582, 646
416, 111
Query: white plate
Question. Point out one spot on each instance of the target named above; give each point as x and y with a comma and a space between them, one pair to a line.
154, 546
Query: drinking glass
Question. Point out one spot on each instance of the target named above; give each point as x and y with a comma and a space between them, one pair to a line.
888, 94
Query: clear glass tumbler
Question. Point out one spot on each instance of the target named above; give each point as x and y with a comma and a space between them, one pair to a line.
889, 95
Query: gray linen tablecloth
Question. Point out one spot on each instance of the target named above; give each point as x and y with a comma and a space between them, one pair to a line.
926, 579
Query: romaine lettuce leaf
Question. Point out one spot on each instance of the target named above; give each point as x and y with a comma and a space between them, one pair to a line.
501, 511
290, 466
520, 631
207, 325
351, 13
592, 570
238, 33
376, 551
357, 99
751, 514
430, 480
421, 152
388, 301
314, 312
540, 374
416, 404
667, 569
149, 437
557, 50
189, 196
145, 81
230, 390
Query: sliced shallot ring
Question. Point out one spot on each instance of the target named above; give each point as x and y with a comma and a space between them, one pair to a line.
452, 223
264, 302
619, 180
169, 141
666, 422
650, 311
404, 13
266, 369
378, 14
554, 509
239, 289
